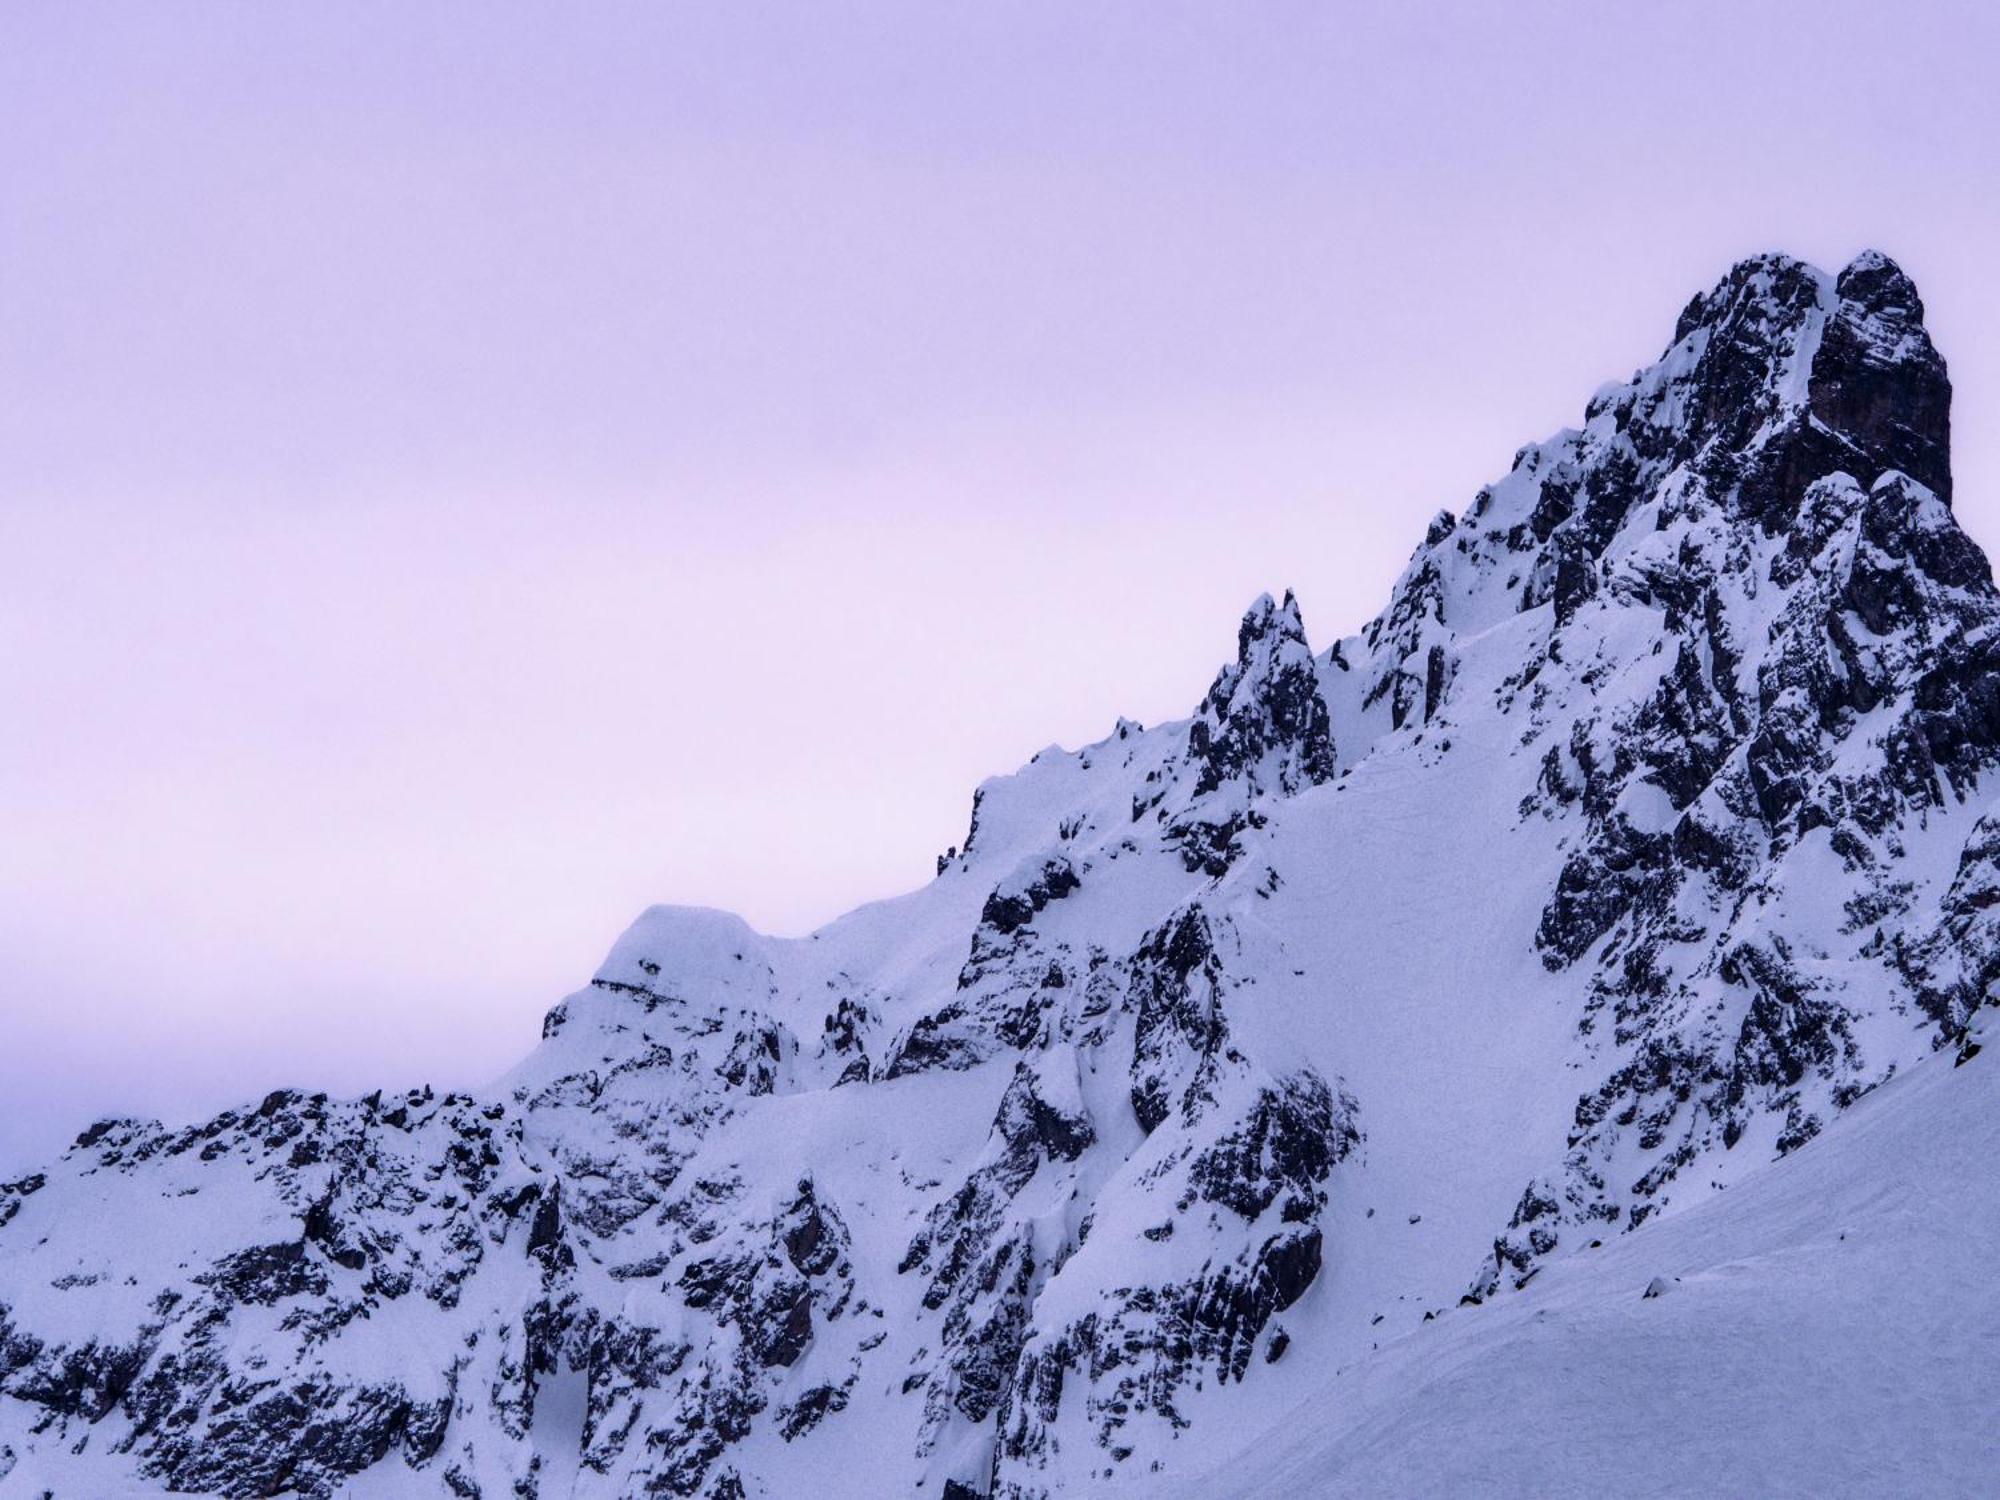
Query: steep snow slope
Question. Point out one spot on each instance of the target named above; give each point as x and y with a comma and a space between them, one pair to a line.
1821, 1329
1645, 832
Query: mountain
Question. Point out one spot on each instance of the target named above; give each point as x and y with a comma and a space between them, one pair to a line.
1296, 1097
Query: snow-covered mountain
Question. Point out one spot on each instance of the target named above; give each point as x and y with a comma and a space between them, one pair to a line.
1295, 1098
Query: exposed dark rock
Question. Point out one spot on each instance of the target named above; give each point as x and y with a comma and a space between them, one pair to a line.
1179, 1025
1288, 1145
1008, 909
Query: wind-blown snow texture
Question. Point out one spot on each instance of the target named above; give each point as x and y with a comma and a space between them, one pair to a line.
1646, 830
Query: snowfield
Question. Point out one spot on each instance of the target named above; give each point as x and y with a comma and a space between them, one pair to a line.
1821, 1329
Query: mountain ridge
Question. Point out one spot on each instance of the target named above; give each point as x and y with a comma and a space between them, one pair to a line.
1641, 834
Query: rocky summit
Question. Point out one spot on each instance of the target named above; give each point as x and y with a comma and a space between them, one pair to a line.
1424, 1044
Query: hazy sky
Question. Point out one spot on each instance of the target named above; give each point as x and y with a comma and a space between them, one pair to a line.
469, 472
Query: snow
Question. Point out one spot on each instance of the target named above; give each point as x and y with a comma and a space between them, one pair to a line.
1826, 1331
561, 1402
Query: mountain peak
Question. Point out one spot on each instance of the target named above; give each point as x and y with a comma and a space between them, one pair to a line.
1879, 284
1773, 288
1268, 621
1878, 383
1781, 375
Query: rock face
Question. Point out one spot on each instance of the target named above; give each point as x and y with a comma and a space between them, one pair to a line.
1648, 827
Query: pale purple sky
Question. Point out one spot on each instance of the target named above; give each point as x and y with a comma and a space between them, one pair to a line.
467, 472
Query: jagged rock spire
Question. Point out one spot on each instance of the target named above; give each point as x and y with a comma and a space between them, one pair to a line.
1781, 375
1263, 718
1878, 382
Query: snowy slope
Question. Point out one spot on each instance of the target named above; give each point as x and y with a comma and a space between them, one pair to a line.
1822, 1329
1232, 1067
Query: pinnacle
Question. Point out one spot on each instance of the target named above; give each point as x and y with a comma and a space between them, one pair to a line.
1779, 288
1880, 286
1266, 618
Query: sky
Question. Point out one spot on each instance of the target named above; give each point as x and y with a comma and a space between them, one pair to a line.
470, 472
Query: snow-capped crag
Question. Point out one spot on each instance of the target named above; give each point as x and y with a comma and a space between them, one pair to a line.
1647, 828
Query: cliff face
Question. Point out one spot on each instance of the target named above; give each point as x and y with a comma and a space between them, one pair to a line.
1643, 832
